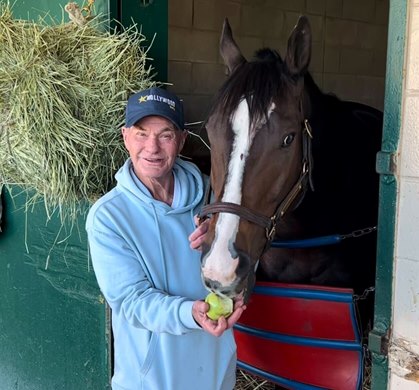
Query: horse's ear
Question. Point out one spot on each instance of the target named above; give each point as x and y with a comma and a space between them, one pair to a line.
299, 48
229, 50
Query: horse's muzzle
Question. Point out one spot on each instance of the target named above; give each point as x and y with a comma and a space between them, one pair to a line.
229, 281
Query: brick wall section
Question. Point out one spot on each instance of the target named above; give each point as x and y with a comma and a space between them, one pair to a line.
349, 44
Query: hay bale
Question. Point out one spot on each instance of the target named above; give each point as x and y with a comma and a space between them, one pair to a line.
63, 90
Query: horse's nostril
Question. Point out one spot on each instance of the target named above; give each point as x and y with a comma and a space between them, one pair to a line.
212, 285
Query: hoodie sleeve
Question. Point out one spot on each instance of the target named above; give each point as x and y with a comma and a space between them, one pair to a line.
129, 292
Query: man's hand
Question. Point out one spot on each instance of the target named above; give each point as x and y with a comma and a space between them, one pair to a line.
217, 328
198, 235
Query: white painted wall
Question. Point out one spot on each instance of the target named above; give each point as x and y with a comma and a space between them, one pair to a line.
404, 346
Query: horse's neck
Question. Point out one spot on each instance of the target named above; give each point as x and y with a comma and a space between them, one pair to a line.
324, 113
290, 227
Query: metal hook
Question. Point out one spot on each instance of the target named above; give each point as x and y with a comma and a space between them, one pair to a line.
308, 128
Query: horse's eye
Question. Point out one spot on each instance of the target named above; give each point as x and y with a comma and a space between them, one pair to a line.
288, 140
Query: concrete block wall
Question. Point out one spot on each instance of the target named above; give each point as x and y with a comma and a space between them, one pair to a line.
349, 44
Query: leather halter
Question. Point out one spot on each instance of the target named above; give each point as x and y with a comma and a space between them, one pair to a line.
269, 223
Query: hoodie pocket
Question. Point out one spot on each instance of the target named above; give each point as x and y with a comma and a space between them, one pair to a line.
191, 361
150, 354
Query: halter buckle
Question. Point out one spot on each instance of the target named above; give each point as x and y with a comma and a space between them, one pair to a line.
308, 128
271, 230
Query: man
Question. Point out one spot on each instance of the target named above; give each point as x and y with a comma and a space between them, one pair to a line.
144, 264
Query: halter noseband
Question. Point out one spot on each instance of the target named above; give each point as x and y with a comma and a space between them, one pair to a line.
269, 223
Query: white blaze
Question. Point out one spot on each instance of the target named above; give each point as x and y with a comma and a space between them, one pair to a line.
220, 265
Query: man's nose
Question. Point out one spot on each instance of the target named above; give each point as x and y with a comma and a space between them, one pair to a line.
152, 144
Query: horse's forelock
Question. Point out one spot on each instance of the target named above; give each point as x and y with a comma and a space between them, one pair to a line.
259, 81
266, 54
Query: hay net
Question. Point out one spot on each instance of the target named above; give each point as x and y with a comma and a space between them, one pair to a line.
63, 90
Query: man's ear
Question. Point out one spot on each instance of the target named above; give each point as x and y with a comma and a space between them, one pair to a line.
124, 131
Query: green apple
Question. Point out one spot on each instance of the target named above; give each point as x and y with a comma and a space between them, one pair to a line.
219, 306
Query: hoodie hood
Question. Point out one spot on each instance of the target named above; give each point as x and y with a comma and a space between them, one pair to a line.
189, 187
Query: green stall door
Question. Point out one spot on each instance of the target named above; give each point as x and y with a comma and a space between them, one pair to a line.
151, 16
54, 327
52, 11
54, 323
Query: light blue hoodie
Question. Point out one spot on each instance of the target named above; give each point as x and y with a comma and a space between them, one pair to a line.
150, 277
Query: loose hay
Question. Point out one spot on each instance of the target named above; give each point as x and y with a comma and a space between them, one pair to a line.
62, 96
246, 381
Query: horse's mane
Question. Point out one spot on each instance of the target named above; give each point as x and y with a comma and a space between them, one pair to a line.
258, 81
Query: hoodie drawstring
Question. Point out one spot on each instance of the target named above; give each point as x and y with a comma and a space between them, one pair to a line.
162, 259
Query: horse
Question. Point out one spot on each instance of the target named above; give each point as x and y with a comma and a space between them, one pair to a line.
288, 162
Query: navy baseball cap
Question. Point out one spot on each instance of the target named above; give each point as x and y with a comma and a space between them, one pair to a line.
154, 101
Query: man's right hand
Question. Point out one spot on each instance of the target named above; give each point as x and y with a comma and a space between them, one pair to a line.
217, 328
198, 235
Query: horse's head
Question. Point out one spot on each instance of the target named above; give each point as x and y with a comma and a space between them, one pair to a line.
259, 157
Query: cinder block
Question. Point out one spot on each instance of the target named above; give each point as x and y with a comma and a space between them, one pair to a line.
371, 36
410, 142
334, 8
180, 13
406, 287
196, 107
260, 21
204, 45
359, 10
379, 63
317, 58
340, 32
381, 11
193, 45
178, 50
317, 27
318, 79
331, 59
180, 75
343, 86
288, 5
367, 84
248, 46
316, 7
278, 44
375, 101
356, 61
349, 36
412, 77
207, 78
210, 14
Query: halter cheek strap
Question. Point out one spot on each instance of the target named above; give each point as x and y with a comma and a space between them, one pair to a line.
300, 187
269, 223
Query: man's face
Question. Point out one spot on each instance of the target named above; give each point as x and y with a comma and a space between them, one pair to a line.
153, 144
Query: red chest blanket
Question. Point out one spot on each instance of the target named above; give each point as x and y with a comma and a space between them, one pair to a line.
301, 337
